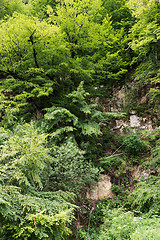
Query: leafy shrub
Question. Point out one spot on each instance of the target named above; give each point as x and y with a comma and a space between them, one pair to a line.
122, 225
86, 235
35, 215
96, 217
148, 229
27, 212
110, 162
117, 225
79, 117
151, 136
146, 197
24, 156
133, 144
70, 170
155, 161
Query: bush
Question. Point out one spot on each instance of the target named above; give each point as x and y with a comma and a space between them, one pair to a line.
146, 197
133, 144
155, 161
34, 215
120, 225
149, 229
26, 210
70, 171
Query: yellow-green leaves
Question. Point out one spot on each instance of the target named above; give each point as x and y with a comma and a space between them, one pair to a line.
27, 48
141, 7
20, 35
8, 7
26, 153
145, 32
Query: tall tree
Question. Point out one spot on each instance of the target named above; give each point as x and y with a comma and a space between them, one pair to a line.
146, 32
93, 43
32, 53
43, 59
77, 20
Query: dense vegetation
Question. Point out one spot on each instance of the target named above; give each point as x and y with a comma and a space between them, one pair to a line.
56, 58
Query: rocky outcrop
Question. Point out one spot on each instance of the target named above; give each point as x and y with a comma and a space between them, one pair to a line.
123, 97
133, 121
101, 189
138, 173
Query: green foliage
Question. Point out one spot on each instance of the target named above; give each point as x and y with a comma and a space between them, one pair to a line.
79, 119
152, 139
121, 225
41, 8
151, 136
70, 170
149, 229
96, 218
25, 167
133, 144
145, 80
155, 162
24, 156
120, 193
27, 171
33, 216
155, 92
18, 45
92, 42
145, 32
120, 13
25, 63
76, 19
83, 235
7, 8
129, 150
50, 50
145, 198
145, 43
110, 162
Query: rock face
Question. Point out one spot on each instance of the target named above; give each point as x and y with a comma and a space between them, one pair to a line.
119, 100
138, 173
134, 121
101, 189
123, 97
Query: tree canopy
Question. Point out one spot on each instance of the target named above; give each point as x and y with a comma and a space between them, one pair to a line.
58, 60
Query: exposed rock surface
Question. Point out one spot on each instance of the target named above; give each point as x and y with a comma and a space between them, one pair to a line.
138, 173
123, 97
117, 103
135, 122
101, 189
